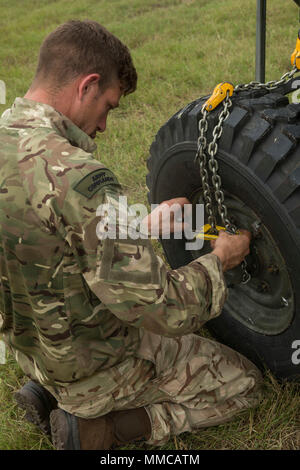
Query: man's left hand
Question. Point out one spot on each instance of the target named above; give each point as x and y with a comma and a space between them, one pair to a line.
167, 217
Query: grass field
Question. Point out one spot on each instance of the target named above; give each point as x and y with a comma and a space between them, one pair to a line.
181, 49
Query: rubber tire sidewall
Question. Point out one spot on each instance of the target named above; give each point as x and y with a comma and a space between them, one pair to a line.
272, 352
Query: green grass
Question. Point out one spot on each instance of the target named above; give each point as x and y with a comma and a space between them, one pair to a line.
181, 49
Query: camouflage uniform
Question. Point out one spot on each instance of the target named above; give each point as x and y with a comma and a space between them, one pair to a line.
103, 324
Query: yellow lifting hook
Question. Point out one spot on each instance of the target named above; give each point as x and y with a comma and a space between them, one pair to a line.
218, 95
205, 232
295, 59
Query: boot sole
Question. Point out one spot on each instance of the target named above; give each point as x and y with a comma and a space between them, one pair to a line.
37, 403
64, 430
32, 414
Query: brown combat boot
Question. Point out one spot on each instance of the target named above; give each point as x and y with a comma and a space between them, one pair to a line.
38, 404
112, 430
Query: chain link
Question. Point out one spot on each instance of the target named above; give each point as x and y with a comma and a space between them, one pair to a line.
271, 85
210, 150
201, 157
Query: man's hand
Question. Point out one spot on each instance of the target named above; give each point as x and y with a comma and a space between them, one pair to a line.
231, 249
167, 217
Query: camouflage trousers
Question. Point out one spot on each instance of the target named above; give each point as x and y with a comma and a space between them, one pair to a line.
185, 384
199, 383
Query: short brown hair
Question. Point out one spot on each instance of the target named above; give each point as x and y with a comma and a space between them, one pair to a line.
82, 47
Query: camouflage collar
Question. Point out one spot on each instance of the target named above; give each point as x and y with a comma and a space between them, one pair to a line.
31, 114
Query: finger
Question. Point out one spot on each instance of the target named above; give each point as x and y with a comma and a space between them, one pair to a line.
246, 233
177, 227
223, 233
177, 200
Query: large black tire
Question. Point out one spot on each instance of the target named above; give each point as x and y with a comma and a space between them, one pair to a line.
259, 164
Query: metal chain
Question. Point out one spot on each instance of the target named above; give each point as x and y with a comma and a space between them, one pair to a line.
211, 150
213, 166
201, 157
271, 85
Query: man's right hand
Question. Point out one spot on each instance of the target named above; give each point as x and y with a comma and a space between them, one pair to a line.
231, 249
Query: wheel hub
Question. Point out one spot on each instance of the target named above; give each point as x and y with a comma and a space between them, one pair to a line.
266, 303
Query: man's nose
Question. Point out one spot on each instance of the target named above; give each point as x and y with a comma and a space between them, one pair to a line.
102, 125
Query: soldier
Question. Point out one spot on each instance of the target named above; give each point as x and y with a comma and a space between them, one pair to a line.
102, 328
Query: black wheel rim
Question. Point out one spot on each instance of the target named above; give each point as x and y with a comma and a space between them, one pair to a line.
266, 303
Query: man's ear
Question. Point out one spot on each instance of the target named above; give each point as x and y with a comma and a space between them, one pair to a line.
87, 85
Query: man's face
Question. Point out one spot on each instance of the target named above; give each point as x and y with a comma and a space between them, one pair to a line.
91, 116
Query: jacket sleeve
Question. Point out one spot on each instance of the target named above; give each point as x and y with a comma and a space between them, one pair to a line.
130, 279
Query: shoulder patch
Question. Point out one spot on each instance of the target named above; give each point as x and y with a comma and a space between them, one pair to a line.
97, 179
